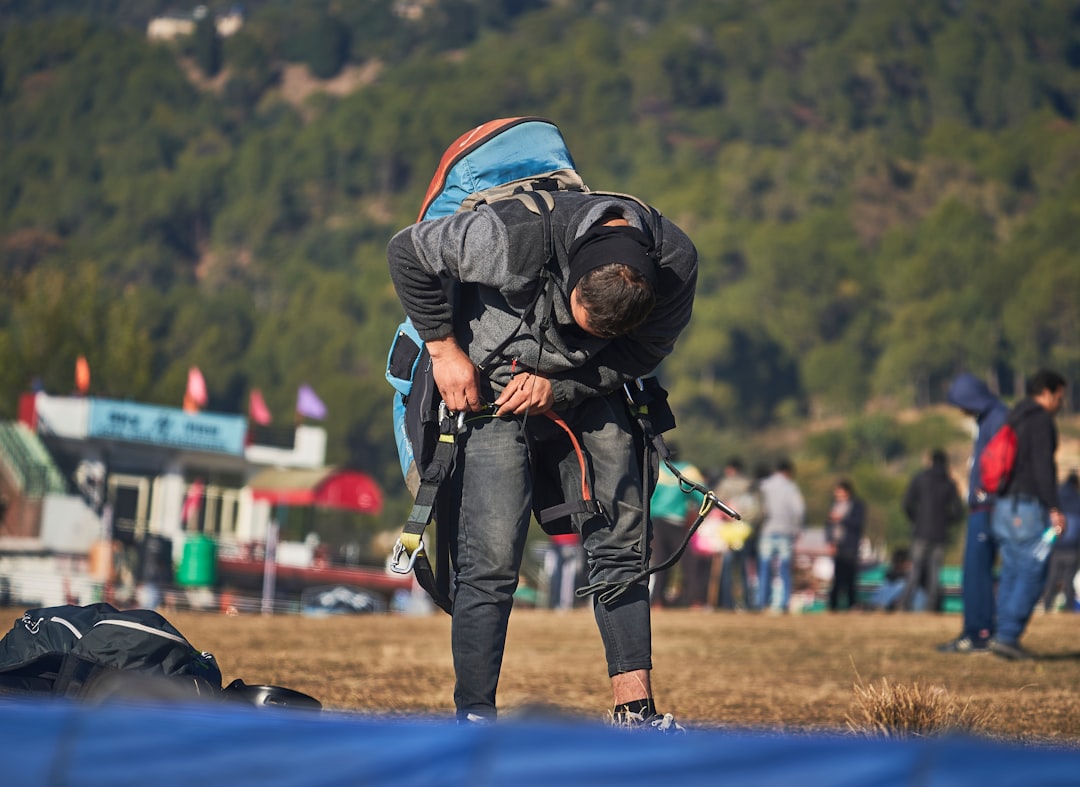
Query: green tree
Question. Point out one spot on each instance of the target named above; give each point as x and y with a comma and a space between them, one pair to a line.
327, 46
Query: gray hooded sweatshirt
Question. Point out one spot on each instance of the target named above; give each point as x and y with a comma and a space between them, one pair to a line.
475, 274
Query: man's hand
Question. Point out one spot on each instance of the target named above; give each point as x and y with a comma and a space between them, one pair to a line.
1057, 521
455, 375
525, 393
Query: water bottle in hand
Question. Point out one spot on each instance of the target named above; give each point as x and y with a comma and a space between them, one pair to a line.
1046, 543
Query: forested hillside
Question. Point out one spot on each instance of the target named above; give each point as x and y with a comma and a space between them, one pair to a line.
883, 194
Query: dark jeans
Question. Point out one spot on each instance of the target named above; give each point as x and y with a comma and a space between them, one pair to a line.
845, 568
1062, 572
698, 574
492, 480
977, 585
926, 562
736, 568
1018, 524
668, 535
563, 564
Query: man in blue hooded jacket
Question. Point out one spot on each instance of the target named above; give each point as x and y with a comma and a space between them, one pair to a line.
972, 395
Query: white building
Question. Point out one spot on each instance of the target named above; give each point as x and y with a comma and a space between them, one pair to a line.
174, 25
77, 473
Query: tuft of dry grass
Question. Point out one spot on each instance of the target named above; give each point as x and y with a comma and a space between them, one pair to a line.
912, 711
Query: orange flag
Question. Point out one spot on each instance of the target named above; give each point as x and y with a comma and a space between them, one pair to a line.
82, 375
257, 408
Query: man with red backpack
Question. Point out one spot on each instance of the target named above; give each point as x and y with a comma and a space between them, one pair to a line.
1027, 511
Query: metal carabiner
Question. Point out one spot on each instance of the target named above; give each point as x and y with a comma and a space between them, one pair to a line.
449, 421
399, 550
629, 391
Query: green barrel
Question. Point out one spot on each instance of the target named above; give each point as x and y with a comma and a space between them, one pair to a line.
198, 564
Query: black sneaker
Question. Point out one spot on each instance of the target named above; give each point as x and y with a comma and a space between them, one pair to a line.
661, 722
964, 644
1010, 650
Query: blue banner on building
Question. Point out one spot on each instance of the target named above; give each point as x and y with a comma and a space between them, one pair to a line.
143, 423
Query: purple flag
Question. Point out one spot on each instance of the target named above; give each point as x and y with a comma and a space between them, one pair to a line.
309, 404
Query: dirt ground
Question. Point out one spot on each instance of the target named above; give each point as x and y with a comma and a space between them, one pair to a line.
792, 673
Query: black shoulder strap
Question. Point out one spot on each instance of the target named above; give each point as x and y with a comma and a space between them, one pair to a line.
545, 286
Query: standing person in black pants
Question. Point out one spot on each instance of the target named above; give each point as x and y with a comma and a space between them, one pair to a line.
843, 531
1065, 555
932, 505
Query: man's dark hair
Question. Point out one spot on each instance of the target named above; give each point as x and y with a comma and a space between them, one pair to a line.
1044, 380
938, 458
617, 299
785, 466
735, 463
847, 486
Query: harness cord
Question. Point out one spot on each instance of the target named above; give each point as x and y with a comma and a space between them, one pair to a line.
608, 592
585, 493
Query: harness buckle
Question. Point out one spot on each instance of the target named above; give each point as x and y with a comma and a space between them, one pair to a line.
449, 421
399, 552
633, 391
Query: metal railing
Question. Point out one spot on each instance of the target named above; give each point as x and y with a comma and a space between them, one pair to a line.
27, 462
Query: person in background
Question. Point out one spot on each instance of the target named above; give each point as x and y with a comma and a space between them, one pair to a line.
1027, 508
564, 562
785, 513
973, 397
844, 531
888, 593
742, 493
932, 505
1061, 574
671, 510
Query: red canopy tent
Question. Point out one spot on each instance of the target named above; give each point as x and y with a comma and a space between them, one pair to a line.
339, 488
336, 488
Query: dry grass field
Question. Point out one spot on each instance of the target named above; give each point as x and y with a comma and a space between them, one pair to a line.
791, 674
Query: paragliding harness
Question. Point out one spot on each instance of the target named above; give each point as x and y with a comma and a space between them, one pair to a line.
484, 166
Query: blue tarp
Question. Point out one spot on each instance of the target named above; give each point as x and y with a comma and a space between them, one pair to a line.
62, 743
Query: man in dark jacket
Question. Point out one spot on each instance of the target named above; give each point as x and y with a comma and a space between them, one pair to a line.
932, 505
972, 395
505, 358
1026, 509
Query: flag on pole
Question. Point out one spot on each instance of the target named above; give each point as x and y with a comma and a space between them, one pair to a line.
257, 409
82, 375
195, 396
191, 500
309, 404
